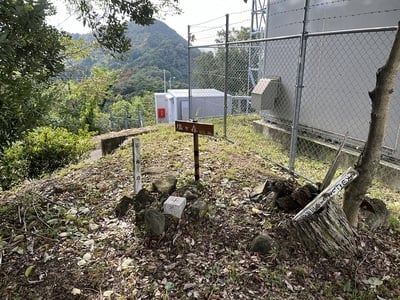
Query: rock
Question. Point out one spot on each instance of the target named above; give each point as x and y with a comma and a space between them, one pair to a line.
262, 244
153, 171
123, 206
152, 220
304, 194
142, 200
282, 187
174, 206
270, 199
287, 204
198, 209
165, 185
189, 195
257, 193
376, 213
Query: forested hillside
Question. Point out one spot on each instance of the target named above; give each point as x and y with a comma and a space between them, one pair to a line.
156, 49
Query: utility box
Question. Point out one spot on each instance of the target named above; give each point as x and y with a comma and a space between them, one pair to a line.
265, 93
174, 206
161, 113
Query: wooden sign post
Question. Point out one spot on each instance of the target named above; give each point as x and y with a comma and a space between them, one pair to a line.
195, 128
137, 175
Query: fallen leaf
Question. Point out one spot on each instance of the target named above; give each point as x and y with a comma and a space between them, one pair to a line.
126, 263
29, 270
87, 256
107, 293
76, 291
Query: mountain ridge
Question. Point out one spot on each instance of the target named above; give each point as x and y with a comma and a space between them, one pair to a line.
157, 53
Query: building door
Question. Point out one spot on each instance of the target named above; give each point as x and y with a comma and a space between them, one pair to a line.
185, 109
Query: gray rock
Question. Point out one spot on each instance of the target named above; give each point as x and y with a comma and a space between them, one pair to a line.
376, 213
198, 209
165, 185
123, 206
189, 195
152, 220
257, 193
262, 244
142, 200
287, 204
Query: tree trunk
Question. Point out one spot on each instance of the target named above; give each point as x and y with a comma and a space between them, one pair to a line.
326, 231
370, 158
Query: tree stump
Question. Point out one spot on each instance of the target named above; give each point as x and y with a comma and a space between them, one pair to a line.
326, 231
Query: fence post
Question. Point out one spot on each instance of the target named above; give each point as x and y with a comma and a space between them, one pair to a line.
226, 73
189, 38
299, 88
141, 123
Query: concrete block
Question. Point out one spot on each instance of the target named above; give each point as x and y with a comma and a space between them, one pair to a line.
174, 206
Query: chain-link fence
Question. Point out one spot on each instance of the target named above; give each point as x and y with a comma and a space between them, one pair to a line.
324, 79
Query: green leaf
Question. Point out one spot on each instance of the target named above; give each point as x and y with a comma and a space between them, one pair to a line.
169, 286
347, 287
373, 281
29, 270
18, 250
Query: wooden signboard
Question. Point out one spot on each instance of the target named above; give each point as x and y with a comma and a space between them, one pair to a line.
195, 128
333, 189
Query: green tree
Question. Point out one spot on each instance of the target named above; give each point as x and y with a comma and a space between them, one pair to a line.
144, 106
31, 54
80, 104
122, 115
210, 66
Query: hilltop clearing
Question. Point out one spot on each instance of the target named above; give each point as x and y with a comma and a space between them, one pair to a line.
60, 239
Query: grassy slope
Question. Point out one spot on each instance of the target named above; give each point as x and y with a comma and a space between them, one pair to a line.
60, 239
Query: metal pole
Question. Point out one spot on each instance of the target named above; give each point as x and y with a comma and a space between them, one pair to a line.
189, 74
299, 88
141, 123
165, 84
226, 73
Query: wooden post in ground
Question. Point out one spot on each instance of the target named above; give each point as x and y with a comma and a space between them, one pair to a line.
137, 176
195, 128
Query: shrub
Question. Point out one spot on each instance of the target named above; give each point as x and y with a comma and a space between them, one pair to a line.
42, 150
13, 166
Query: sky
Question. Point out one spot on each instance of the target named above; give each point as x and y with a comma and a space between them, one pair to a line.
195, 12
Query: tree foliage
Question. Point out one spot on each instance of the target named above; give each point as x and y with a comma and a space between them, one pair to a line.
79, 104
210, 66
31, 53
42, 150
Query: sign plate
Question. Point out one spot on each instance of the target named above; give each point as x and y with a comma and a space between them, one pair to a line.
333, 189
194, 127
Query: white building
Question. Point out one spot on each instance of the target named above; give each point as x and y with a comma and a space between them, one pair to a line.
174, 104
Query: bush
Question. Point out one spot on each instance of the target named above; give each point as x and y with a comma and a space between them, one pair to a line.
13, 166
42, 150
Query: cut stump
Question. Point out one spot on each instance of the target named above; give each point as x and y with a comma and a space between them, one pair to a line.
326, 231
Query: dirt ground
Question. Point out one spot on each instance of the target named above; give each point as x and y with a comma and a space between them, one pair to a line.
60, 239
